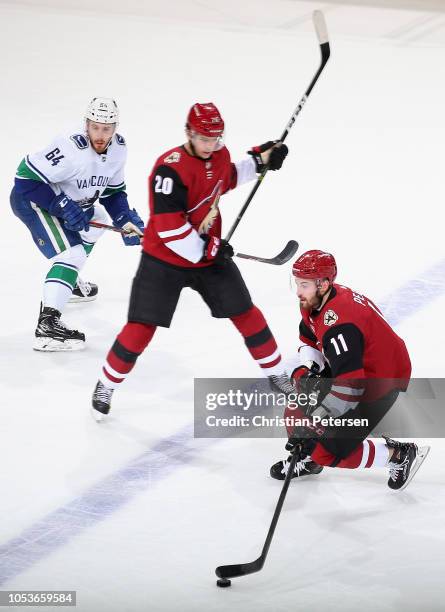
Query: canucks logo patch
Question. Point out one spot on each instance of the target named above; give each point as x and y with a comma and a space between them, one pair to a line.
80, 140
173, 157
330, 317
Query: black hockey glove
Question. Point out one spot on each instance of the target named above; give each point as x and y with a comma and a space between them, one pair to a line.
309, 380
312, 383
216, 250
304, 437
304, 446
271, 154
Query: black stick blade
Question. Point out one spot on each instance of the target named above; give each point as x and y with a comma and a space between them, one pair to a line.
322, 34
289, 251
325, 53
239, 569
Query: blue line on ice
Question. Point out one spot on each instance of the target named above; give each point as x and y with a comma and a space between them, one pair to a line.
98, 502
110, 494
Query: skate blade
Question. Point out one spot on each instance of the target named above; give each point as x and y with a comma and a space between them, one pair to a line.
74, 299
422, 454
97, 416
49, 345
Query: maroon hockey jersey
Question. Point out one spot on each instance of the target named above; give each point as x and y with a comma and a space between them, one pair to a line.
183, 197
358, 344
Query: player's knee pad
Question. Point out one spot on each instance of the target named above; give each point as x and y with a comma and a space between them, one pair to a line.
74, 256
136, 336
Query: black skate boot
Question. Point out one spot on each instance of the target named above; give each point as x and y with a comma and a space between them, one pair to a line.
405, 461
304, 467
84, 291
281, 383
53, 335
101, 401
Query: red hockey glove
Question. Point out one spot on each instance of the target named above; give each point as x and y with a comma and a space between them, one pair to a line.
271, 154
217, 250
301, 372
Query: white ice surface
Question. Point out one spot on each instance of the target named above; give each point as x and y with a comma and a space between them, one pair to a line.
135, 514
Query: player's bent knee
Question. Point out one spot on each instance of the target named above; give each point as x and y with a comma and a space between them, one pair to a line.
94, 233
135, 336
75, 256
322, 456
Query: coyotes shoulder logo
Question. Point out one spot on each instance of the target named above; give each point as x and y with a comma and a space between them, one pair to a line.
330, 317
173, 157
213, 213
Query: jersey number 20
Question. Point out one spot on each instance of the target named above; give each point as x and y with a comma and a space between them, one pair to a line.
163, 184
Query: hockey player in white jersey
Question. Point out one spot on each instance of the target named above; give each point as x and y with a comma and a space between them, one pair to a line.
54, 195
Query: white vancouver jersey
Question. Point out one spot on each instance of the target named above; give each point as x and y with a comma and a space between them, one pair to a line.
71, 165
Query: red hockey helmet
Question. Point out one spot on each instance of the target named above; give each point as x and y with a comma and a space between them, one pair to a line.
315, 265
205, 119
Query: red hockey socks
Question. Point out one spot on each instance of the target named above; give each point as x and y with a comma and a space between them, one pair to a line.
259, 340
368, 454
121, 359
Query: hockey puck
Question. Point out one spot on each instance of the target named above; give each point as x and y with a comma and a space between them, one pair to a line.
223, 582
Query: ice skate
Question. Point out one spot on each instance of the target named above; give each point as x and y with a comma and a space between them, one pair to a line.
84, 291
406, 460
101, 401
281, 383
53, 335
304, 467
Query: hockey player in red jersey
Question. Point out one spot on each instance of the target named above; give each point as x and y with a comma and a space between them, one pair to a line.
182, 247
345, 335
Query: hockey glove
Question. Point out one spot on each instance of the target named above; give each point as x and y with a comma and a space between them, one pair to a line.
314, 383
74, 217
304, 437
271, 154
133, 226
216, 250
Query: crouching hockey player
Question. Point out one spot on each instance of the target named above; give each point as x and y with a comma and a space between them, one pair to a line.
346, 338
54, 195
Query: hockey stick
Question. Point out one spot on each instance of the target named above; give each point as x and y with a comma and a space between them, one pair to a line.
289, 250
322, 35
110, 228
224, 572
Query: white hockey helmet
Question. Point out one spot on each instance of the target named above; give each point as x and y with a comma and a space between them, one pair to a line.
102, 110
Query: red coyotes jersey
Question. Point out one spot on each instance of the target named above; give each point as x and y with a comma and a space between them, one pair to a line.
355, 338
184, 193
